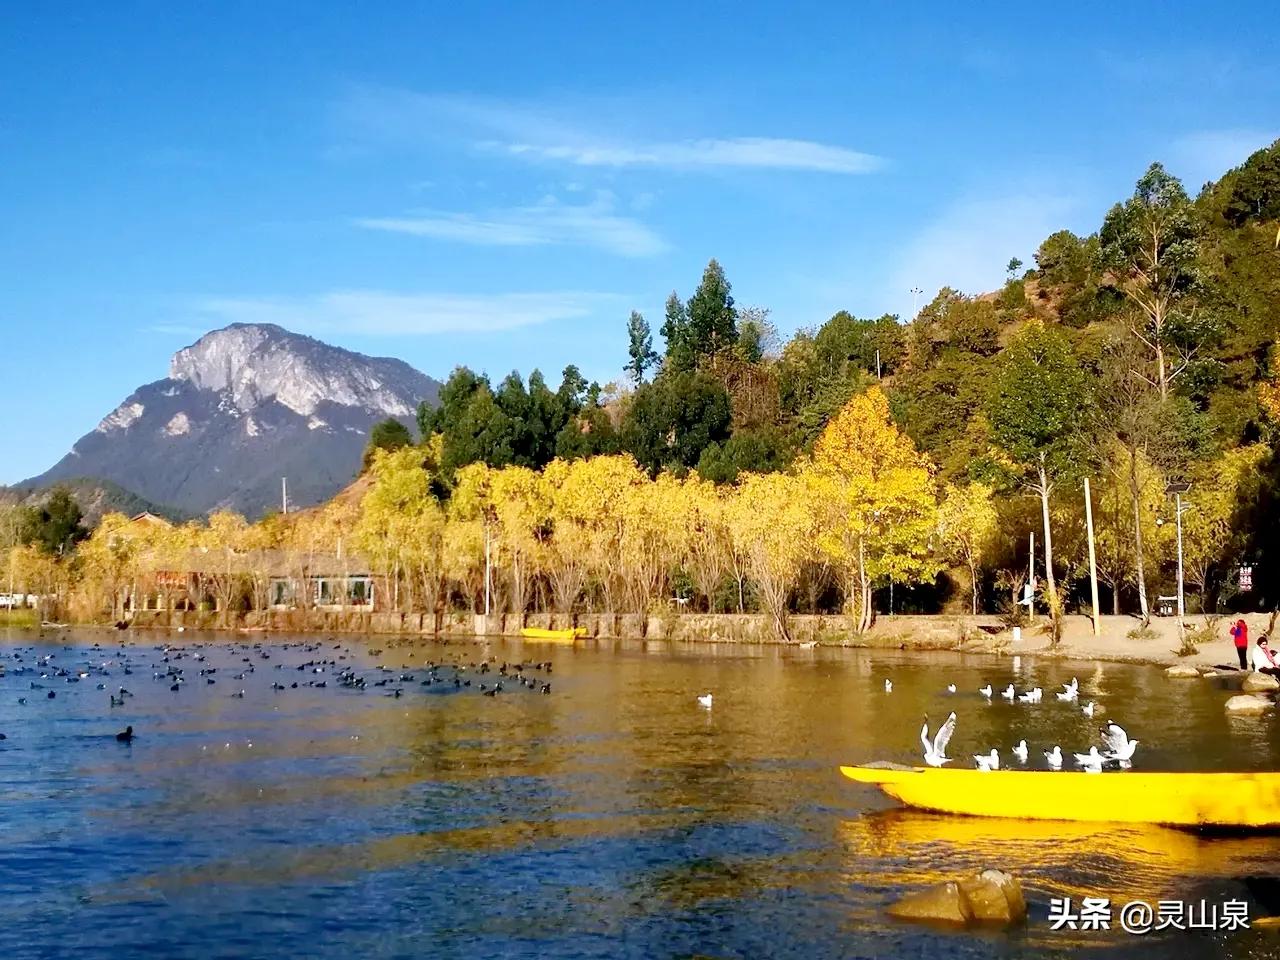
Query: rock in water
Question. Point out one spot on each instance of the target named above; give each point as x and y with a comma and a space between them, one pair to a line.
992, 897
1259, 681
1182, 671
942, 903
995, 897
1248, 703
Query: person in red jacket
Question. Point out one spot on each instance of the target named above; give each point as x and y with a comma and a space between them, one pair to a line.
1240, 634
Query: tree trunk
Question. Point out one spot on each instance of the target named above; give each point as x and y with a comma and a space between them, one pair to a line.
1115, 600
973, 579
1139, 567
1051, 582
864, 588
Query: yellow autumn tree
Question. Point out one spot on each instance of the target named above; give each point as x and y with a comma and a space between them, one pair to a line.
108, 563
708, 545
222, 543
966, 528
879, 499
521, 508
1209, 537
400, 526
649, 538
773, 525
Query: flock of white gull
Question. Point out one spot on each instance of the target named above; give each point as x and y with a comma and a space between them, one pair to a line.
1119, 748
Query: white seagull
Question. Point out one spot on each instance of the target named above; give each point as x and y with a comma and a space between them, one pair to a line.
1054, 758
705, 701
1091, 761
989, 761
1070, 690
985, 691
1032, 696
1119, 746
1020, 751
935, 752
1087, 709
951, 688
1008, 692
888, 686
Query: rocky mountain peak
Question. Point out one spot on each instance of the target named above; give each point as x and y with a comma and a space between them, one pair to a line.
242, 407
258, 362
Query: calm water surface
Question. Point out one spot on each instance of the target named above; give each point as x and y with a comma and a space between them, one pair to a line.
611, 818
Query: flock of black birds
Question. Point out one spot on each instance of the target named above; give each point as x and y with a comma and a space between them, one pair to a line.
330, 666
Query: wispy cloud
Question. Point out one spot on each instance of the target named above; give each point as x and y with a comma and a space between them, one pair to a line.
535, 133
770, 153
381, 313
548, 222
1205, 155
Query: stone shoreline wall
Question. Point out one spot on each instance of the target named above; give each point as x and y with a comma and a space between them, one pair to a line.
922, 631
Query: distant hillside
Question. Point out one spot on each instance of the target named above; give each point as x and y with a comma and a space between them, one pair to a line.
96, 497
241, 408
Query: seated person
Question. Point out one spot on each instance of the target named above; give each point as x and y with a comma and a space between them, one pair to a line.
1264, 661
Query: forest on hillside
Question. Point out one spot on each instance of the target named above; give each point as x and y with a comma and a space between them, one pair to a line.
867, 454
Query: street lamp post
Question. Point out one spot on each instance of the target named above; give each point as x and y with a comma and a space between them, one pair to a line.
1182, 611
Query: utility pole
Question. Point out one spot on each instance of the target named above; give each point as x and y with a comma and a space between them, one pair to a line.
877, 364
1177, 500
284, 494
915, 301
1093, 559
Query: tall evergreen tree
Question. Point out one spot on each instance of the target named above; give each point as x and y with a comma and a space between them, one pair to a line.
675, 331
639, 347
712, 319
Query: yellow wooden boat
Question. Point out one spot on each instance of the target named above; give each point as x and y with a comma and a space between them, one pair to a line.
1215, 800
553, 636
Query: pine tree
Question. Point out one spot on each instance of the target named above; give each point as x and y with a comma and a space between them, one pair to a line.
675, 331
640, 347
712, 319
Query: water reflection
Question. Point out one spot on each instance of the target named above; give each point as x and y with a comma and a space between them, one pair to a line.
614, 817
1053, 858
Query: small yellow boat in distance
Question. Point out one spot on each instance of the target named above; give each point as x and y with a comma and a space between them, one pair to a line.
1230, 801
553, 636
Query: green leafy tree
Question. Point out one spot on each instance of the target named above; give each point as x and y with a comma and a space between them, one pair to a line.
55, 526
673, 419
1038, 412
757, 336
389, 434
572, 392
639, 347
680, 355
712, 319
755, 450
1150, 245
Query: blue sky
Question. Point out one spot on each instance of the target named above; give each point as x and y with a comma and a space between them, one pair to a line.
500, 184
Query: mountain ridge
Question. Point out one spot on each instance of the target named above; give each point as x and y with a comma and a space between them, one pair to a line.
242, 407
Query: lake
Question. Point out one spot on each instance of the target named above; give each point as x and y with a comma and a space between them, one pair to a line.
610, 817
